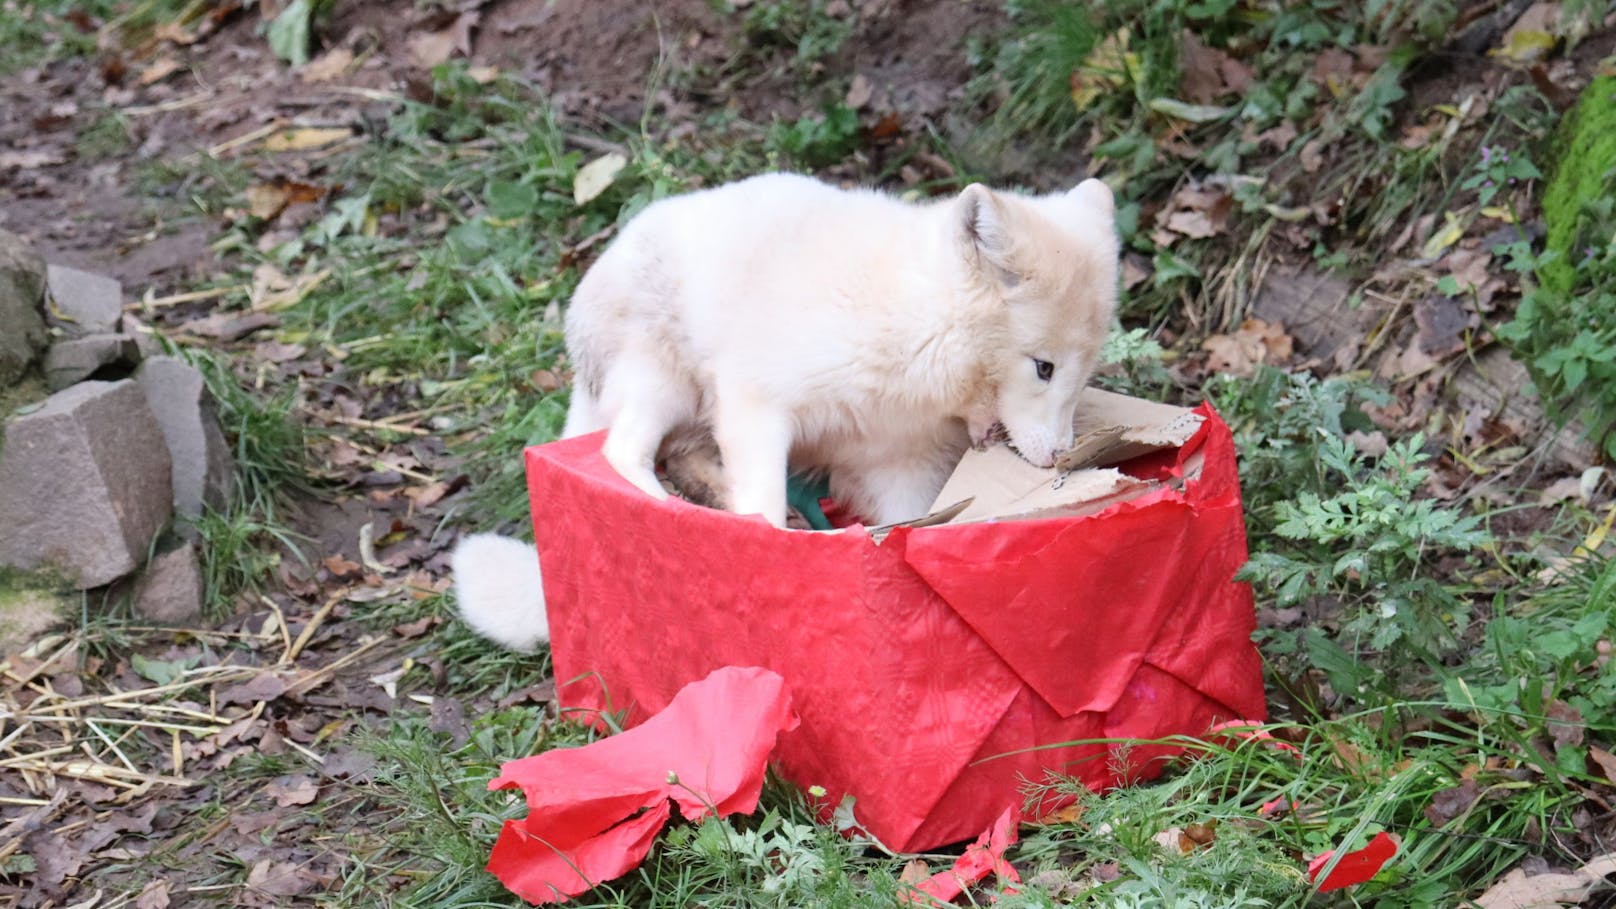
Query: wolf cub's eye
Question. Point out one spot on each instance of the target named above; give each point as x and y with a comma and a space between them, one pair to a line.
1045, 369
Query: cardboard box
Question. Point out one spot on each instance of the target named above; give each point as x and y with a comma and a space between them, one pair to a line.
930, 667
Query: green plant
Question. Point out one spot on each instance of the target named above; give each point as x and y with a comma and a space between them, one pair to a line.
1281, 421
816, 141
35, 32
1371, 545
249, 535
1141, 358
1564, 329
291, 32
806, 29
1543, 668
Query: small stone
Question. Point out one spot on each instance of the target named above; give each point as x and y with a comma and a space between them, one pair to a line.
83, 303
203, 469
170, 590
101, 356
22, 298
84, 484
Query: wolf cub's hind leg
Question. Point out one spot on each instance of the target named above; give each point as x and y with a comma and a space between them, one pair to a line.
642, 404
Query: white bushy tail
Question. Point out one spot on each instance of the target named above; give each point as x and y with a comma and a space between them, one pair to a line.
498, 587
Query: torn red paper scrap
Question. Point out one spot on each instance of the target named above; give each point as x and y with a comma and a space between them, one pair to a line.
1355, 867
594, 811
980, 858
1279, 805
1247, 729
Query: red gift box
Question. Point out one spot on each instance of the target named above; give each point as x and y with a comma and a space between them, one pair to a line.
928, 668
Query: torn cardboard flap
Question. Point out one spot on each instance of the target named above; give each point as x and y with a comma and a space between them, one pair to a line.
1111, 428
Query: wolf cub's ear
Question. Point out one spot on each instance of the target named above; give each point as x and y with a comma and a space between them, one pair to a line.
981, 221
1096, 195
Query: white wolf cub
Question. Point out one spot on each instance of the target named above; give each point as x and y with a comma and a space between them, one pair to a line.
837, 331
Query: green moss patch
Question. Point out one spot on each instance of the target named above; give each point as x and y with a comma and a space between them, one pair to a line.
1581, 186
30, 604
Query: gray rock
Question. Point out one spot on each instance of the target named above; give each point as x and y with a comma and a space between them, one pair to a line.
83, 303
170, 590
22, 298
84, 484
68, 362
203, 471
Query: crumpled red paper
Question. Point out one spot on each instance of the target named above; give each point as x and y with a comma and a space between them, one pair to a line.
1356, 867
594, 811
979, 859
1251, 730
928, 669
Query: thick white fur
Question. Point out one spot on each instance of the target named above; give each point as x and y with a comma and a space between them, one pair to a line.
499, 590
842, 331
825, 329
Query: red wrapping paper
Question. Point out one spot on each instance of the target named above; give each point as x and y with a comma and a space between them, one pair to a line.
981, 858
925, 667
594, 811
1356, 867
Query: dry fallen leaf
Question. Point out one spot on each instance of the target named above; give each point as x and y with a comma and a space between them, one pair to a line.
229, 326
174, 33
1194, 224
1206, 73
267, 200
327, 66
1451, 231
1254, 343
293, 790
160, 69
27, 160
1202, 834
1107, 68
1532, 37
1605, 761
914, 871
1197, 212
858, 94
1312, 155
428, 49
1067, 814
1518, 890
1174, 842
1566, 725
153, 896
388, 681
306, 138
341, 566
272, 289
279, 878
1450, 803
593, 178
265, 686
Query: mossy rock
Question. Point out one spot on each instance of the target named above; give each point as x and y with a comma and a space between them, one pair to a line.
1584, 172
30, 605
